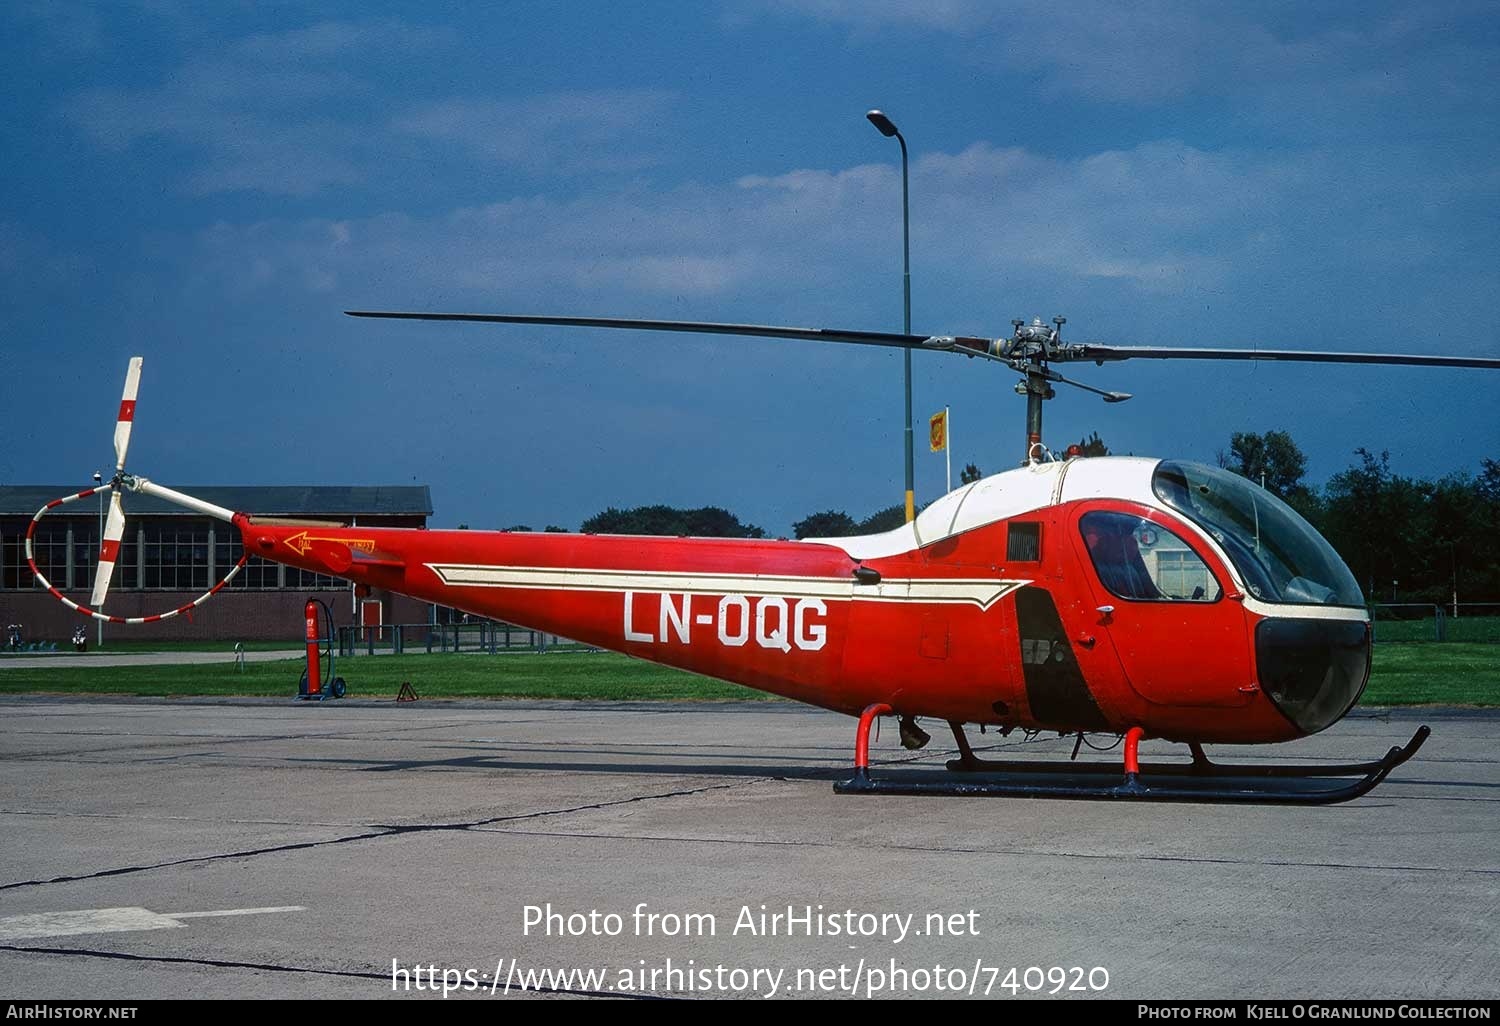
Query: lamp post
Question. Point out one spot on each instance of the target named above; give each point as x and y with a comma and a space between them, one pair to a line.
98, 479
888, 128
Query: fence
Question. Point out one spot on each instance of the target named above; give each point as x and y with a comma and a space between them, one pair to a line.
1425, 621
486, 636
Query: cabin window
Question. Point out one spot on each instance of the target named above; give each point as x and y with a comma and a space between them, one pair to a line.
1023, 543
1137, 559
1279, 555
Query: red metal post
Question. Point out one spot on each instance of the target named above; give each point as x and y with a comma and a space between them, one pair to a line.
862, 737
1133, 738
314, 652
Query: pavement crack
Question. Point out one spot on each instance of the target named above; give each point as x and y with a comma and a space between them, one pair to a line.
955, 849
587, 807
245, 853
376, 831
271, 967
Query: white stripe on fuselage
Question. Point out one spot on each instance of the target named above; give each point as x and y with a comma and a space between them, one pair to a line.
1303, 611
982, 592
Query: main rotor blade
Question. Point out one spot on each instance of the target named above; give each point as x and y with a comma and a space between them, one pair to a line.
868, 338
964, 345
1100, 353
109, 547
127, 411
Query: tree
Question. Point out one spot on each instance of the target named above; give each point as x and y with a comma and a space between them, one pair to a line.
1463, 544
1483, 568
1489, 480
887, 519
828, 524
970, 473
714, 522
1271, 459
554, 529
1093, 446
523, 528
1382, 525
707, 522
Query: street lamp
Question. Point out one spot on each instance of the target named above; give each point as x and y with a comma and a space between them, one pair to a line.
888, 128
98, 480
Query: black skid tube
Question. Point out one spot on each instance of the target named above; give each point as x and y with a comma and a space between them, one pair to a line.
1192, 782
1202, 767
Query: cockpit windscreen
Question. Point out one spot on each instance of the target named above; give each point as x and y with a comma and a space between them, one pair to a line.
1280, 556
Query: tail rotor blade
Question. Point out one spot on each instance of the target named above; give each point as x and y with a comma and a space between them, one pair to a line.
109, 548
127, 416
114, 527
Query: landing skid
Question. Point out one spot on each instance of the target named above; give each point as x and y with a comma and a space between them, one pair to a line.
1202, 780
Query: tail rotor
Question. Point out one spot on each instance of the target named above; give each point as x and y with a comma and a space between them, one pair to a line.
114, 526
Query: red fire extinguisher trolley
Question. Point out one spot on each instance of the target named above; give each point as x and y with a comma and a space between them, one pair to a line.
318, 680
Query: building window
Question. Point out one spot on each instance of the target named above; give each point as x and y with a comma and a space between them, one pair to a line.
306, 580
127, 569
1181, 574
13, 570
259, 574
85, 556
156, 554
49, 545
176, 558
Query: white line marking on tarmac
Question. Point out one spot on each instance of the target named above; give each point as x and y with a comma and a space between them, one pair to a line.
111, 920
93, 920
235, 912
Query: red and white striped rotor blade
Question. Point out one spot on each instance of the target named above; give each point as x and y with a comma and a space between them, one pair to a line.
127, 415
109, 548
114, 527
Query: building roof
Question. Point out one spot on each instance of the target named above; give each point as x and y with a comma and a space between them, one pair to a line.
266, 500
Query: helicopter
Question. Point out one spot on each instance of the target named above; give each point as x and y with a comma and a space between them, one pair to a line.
1125, 596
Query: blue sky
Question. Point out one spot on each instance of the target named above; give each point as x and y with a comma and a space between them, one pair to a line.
210, 185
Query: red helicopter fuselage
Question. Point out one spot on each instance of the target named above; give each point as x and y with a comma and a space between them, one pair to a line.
1087, 595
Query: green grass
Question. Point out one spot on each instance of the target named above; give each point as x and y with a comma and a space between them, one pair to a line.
1453, 673
1414, 674
592, 675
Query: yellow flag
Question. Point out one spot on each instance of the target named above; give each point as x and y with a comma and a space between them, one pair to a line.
937, 431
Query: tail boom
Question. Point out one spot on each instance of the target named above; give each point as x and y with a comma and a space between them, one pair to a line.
791, 618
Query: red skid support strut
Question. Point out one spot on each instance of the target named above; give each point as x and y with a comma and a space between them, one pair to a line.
862, 738
1133, 738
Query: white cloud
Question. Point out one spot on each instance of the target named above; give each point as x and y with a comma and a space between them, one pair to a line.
1151, 51
610, 129
35, 269
1160, 218
292, 113
959, 16
257, 112
1159, 242
62, 28
333, 38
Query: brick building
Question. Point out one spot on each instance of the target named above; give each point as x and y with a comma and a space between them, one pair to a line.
170, 556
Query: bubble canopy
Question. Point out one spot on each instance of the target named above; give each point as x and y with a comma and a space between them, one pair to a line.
1277, 553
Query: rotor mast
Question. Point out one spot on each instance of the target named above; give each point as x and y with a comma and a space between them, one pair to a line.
1029, 350
1035, 386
